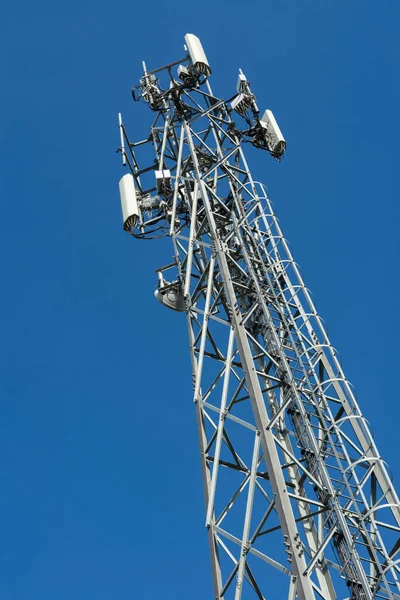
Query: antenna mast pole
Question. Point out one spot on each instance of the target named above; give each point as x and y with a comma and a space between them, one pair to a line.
293, 481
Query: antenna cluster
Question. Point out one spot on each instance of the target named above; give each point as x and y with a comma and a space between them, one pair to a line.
148, 210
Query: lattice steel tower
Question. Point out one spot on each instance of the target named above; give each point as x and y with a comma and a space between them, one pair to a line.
292, 478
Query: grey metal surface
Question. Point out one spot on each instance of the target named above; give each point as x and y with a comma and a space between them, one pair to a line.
293, 481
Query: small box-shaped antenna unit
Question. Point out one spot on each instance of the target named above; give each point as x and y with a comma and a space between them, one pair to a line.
183, 73
163, 181
197, 54
241, 103
242, 85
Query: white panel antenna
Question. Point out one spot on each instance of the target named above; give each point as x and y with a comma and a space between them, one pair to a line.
197, 54
241, 103
275, 139
242, 84
129, 204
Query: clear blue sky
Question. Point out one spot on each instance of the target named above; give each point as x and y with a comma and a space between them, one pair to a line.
100, 480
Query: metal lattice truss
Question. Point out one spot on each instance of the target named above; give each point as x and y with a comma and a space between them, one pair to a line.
293, 480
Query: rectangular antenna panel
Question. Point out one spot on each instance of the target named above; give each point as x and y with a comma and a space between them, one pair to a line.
241, 83
129, 204
197, 54
274, 135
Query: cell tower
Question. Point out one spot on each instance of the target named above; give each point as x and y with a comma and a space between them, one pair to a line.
293, 481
